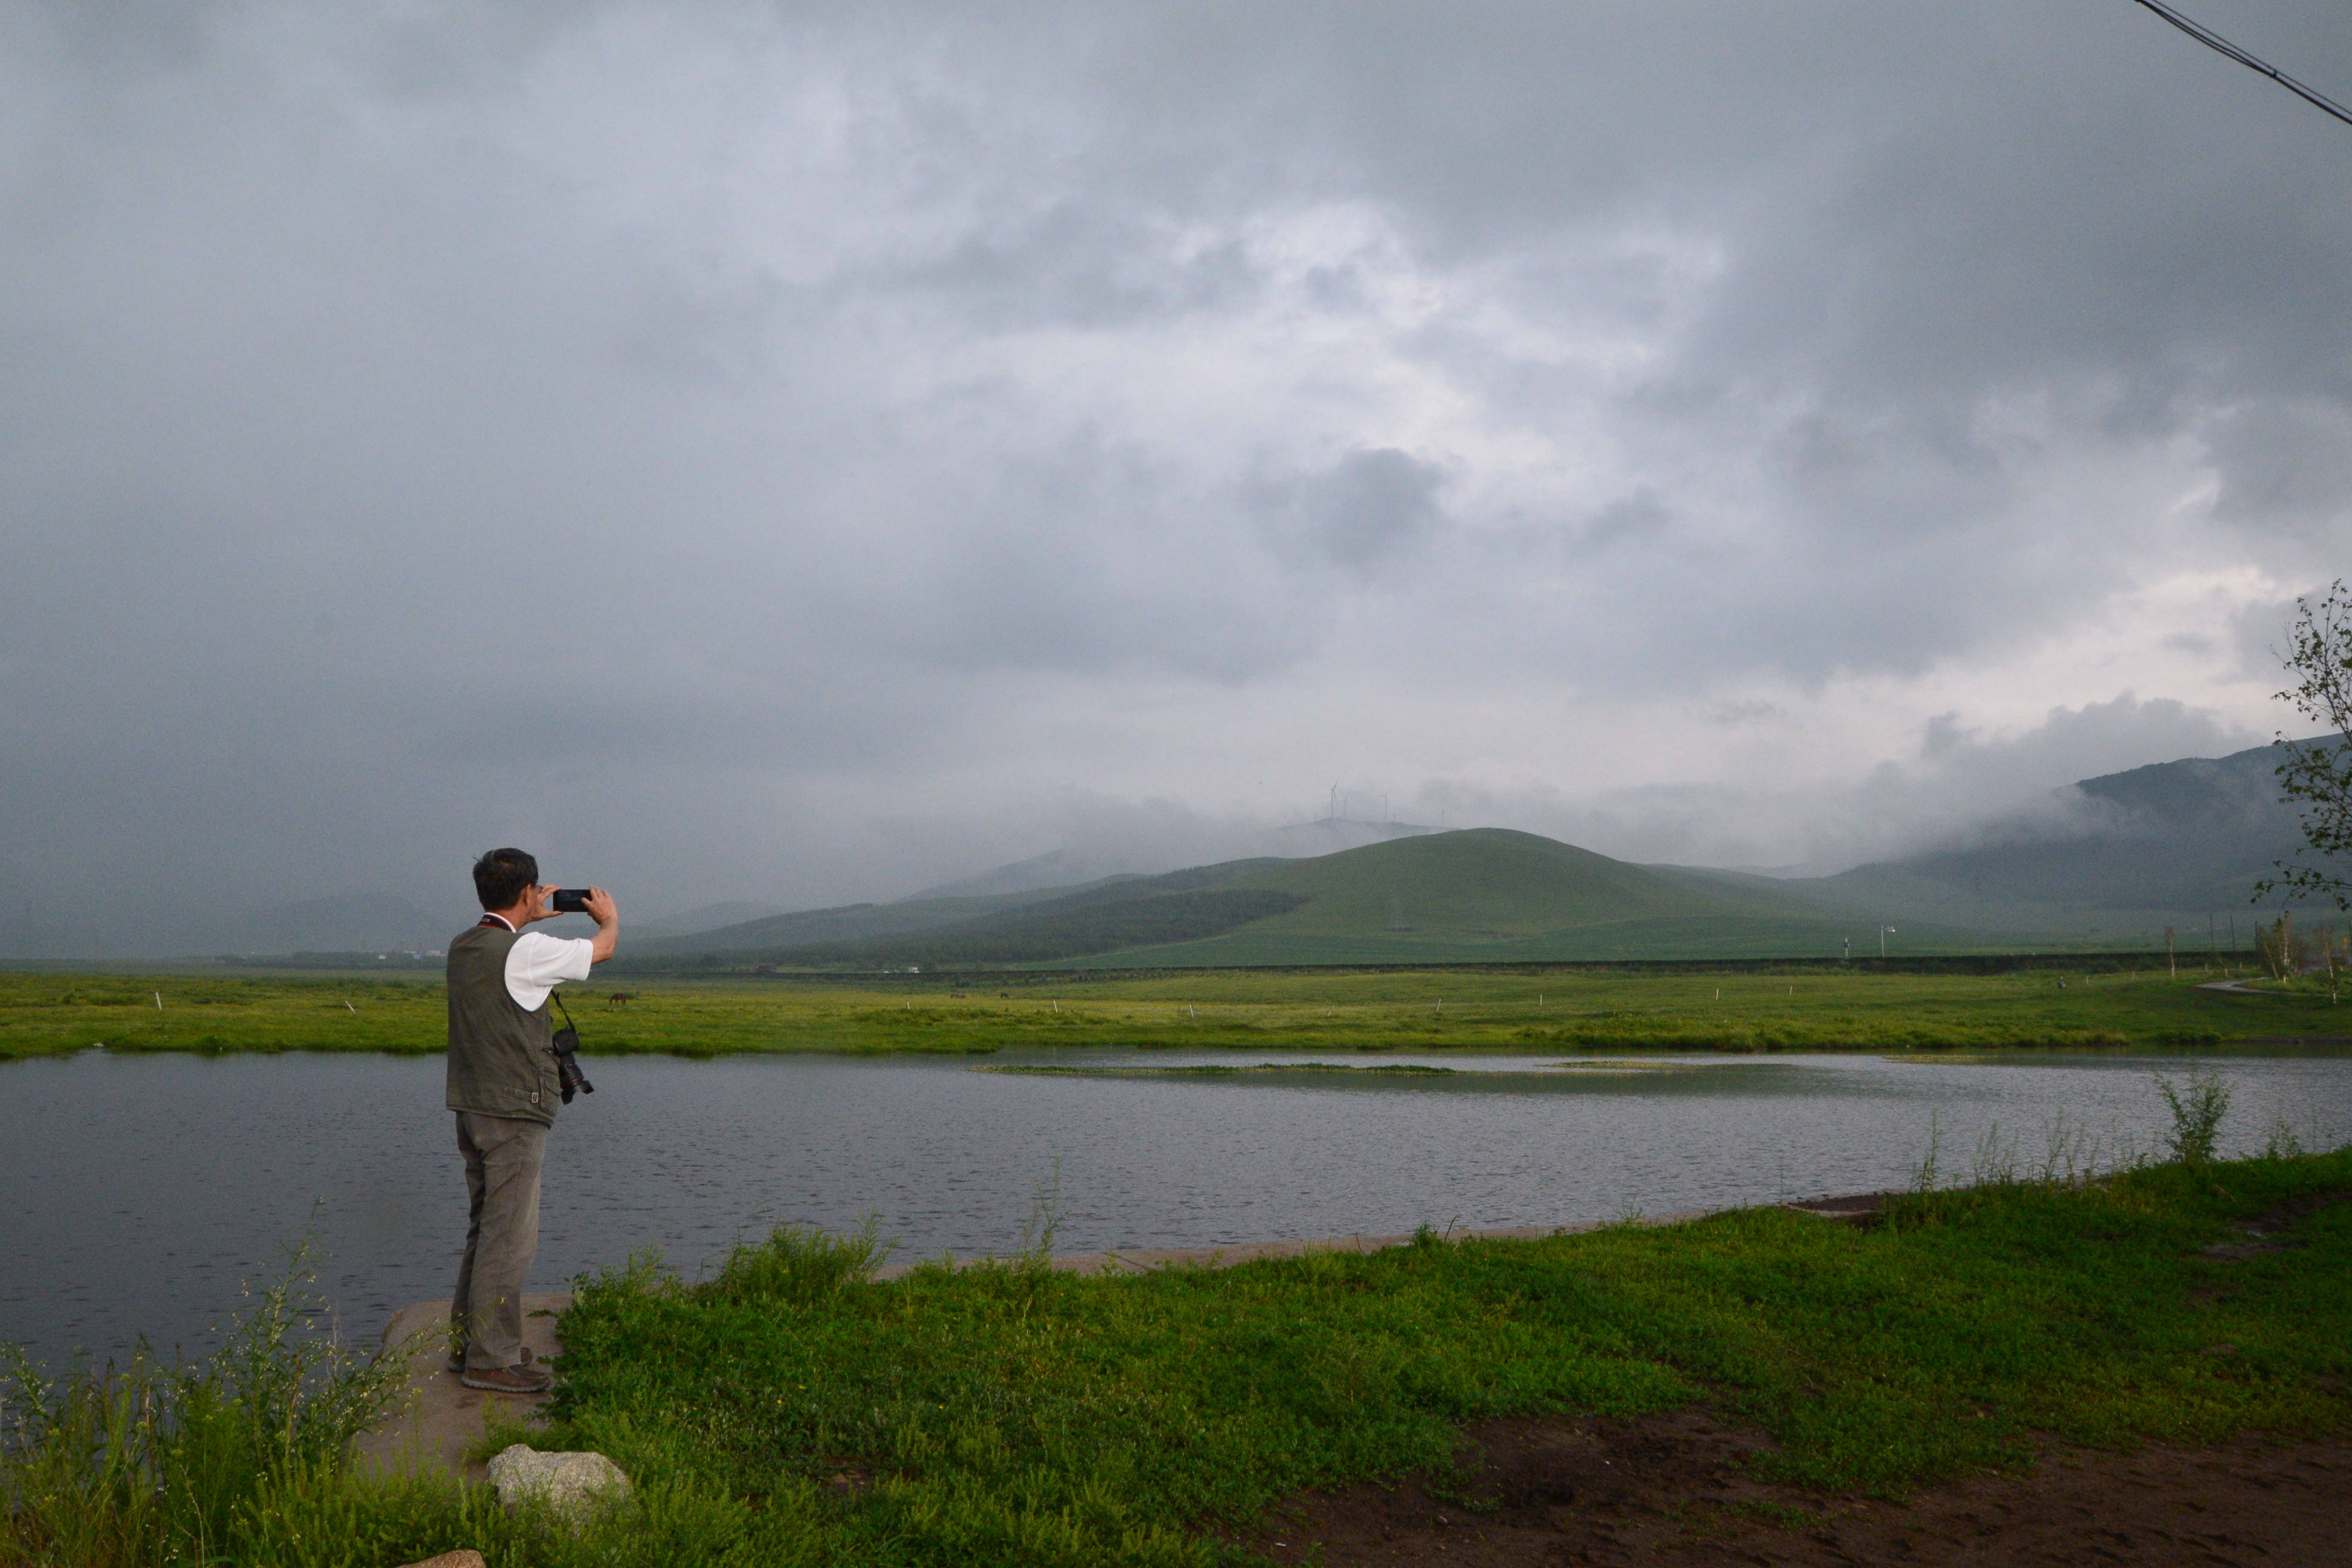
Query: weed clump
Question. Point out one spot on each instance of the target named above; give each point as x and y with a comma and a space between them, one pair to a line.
173, 1463
800, 1265
2197, 1113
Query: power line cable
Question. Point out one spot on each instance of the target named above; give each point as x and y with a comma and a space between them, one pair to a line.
2219, 44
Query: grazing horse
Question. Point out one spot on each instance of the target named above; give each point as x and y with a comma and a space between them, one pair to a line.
620, 998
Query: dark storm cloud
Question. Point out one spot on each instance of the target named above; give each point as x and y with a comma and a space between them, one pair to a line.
654, 426
2284, 462
1352, 514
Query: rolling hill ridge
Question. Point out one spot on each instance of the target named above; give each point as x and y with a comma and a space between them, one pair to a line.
2116, 860
1469, 894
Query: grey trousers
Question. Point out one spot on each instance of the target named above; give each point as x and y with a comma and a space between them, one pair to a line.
502, 1158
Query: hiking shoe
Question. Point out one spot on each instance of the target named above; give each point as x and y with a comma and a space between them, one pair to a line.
508, 1379
458, 1358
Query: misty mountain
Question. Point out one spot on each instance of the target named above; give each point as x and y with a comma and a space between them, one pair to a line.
1493, 894
1103, 917
345, 923
37, 935
2113, 859
2183, 839
849, 922
1482, 893
705, 917
1057, 869
338, 922
1072, 866
1331, 835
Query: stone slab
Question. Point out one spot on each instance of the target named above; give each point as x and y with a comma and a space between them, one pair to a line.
439, 1418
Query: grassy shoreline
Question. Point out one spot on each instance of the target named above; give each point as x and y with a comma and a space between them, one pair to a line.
1824, 1009
791, 1409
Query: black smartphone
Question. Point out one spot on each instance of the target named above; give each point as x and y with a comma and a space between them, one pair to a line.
571, 900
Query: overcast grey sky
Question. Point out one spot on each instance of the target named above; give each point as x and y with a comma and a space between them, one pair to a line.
806, 452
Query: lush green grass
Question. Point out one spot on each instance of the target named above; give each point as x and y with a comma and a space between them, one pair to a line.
1692, 936
1012, 1414
792, 1410
1830, 1009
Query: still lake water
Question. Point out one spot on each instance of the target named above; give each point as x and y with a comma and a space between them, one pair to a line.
144, 1190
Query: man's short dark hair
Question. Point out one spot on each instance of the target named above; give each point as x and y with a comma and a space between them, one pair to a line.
502, 876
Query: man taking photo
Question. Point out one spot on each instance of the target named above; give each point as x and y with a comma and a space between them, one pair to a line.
503, 1086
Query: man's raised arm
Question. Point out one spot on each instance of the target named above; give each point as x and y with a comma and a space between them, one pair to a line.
607, 916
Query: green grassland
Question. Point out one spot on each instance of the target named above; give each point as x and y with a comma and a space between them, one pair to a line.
793, 1409
1830, 1009
1012, 1414
1701, 936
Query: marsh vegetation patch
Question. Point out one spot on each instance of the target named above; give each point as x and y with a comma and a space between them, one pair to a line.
1681, 1487
1528, 1012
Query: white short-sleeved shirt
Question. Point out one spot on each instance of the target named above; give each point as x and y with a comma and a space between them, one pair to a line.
538, 962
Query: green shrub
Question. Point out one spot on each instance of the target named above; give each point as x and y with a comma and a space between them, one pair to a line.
799, 1266
156, 1463
2197, 1114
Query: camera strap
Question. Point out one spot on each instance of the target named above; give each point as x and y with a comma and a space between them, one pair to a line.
569, 1028
565, 1045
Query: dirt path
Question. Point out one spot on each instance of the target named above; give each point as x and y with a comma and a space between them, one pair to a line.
1674, 1489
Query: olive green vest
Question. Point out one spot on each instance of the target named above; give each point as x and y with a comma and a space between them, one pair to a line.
501, 1059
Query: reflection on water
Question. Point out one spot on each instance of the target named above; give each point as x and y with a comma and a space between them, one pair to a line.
146, 1189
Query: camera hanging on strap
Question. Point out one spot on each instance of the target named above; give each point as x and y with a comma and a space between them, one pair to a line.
566, 1046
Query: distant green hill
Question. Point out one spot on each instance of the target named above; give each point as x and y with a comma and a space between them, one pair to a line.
1490, 894
853, 923
1022, 937
1023, 928
2116, 860
2177, 843
1481, 883
1481, 894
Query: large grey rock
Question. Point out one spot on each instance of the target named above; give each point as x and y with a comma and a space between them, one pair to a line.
570, 1483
